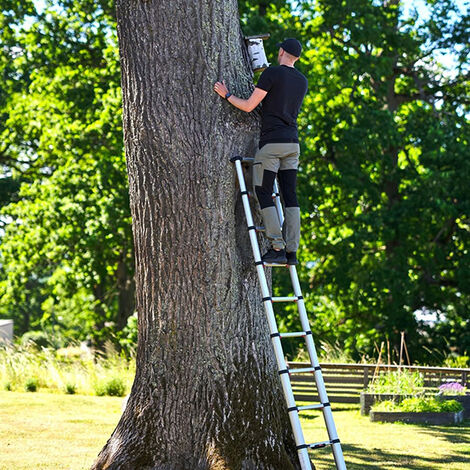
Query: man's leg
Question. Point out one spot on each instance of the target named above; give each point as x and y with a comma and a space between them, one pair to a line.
291, 227
287, 183
265, 169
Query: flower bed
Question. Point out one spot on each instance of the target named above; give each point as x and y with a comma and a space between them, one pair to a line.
394, 386
369, 399
419, 410
457, 392
417, 417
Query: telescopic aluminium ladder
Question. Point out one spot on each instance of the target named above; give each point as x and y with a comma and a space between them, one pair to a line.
283, 370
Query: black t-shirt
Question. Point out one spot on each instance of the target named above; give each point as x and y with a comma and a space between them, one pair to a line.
286, 88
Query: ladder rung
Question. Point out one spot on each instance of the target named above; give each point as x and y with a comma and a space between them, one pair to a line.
318, 445
277, 265
293, 335
311, 407
302, 371
260, 229
243, 160
285, 299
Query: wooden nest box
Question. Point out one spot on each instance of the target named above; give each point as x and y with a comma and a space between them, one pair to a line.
256, 51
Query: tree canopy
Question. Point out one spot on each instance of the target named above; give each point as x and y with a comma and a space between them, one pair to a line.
383, 181
67, 247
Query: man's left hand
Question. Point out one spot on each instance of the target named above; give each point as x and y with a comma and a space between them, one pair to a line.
221, 88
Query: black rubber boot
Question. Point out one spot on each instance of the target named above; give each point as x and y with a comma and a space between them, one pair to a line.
275, 257
292, 258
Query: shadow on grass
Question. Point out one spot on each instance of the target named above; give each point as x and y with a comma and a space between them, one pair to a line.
376, 459
456, 433
310, 417
318, 414
345, 408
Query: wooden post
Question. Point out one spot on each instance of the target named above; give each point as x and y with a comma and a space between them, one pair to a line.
402, 334
407, 355
366, 377
376, 371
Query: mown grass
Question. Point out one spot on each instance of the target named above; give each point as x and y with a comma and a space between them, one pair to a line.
389, 446
65, 432
44, 431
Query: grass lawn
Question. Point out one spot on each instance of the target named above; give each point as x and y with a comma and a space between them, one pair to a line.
40, 431
65, 432
387, 446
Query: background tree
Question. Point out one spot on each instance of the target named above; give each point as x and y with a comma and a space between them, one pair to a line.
373, 260
206, 392
385, 163
67, 248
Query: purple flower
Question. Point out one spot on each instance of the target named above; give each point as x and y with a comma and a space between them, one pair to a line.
452, 388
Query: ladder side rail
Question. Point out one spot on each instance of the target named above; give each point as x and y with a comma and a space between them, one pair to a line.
327, 413
302, 447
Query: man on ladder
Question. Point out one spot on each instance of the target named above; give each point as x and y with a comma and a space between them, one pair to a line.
283, 89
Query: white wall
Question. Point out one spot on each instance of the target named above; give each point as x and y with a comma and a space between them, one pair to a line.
6, 330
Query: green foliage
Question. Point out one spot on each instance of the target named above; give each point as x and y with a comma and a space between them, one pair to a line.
40, 339
382, 184
127, 337
384, 133
401, 382
31, 384
70, 389
419, 405
382, 180
113, 387
457, 361
67, 247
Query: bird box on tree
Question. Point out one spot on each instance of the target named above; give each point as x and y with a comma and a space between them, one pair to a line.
256, 51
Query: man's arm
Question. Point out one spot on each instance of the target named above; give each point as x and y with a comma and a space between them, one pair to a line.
245, 105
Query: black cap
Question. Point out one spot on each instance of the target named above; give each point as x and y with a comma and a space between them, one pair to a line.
292, 46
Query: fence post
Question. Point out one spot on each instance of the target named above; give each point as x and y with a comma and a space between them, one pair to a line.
464, 379
366, 376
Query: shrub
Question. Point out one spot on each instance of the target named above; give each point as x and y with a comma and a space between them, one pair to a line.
419, 405
451, 405
31, 384
457, 361
7, 386
38, 338
113, 387
70, 389
127, 337
401, 382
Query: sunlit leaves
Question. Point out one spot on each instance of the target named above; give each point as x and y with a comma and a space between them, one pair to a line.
69, 239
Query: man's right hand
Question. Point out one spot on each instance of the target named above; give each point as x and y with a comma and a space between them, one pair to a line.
221, 88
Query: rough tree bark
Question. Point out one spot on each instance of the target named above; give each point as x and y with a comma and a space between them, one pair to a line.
206, 393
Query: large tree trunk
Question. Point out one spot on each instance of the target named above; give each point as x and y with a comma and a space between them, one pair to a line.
206, 393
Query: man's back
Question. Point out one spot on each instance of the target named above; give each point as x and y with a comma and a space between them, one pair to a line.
286, 88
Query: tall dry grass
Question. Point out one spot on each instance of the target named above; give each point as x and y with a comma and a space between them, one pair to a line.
69, 370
